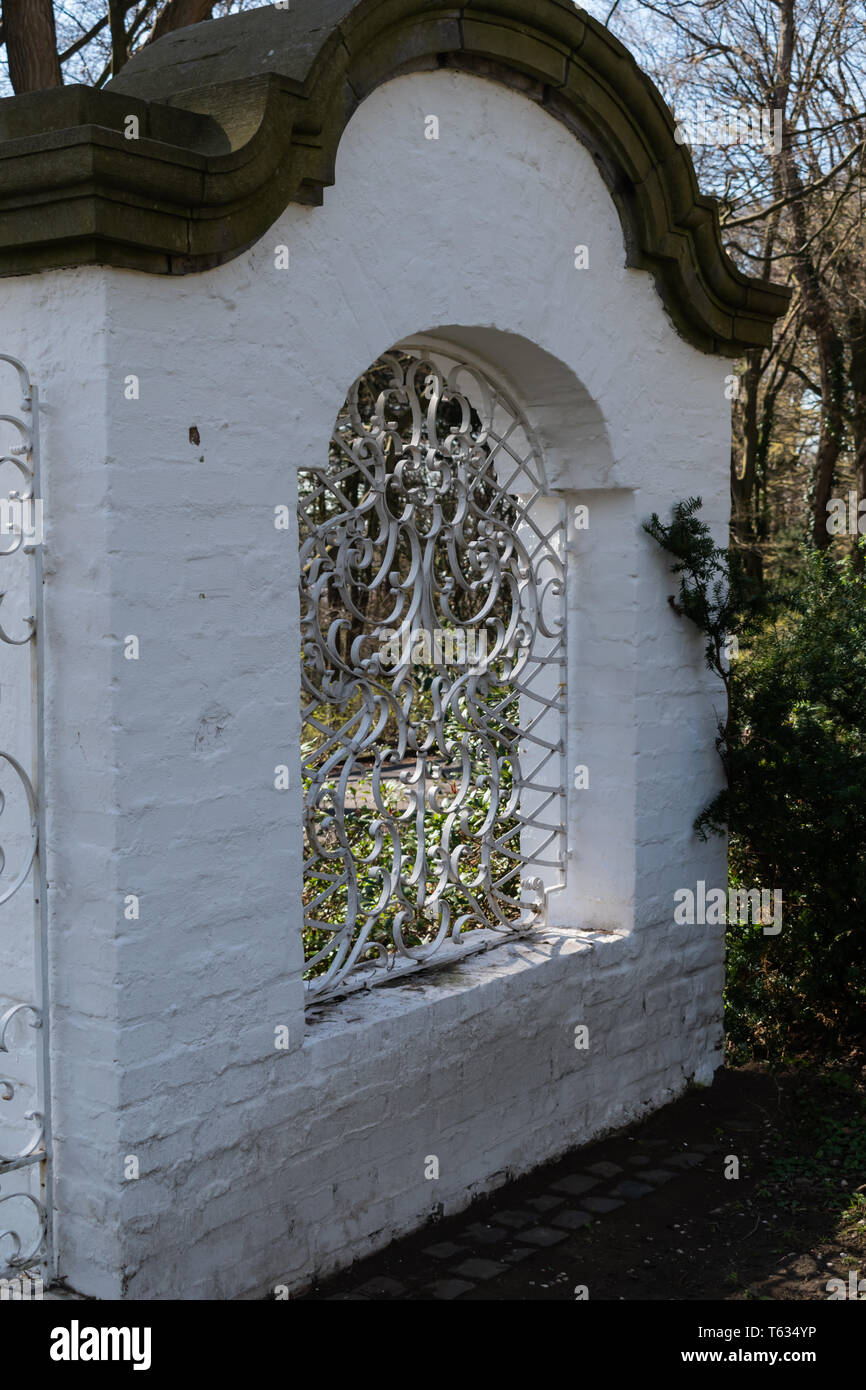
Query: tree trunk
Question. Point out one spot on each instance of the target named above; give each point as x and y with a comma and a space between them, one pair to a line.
857, 380
743, 480
178, 14
831, 355
31, 45
119, 42
817, 311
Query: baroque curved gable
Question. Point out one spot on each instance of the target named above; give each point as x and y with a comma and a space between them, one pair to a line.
238, 117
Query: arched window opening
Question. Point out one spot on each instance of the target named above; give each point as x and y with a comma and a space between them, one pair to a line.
433, 669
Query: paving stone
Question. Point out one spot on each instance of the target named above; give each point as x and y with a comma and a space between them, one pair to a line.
683, 1160
449, 1288
575, 1186
630, 1189
479, 1269
639, 1160
514, 1219
443, 1251
572, 1220
542, 1235
604, 1169
743, 1126
657, 1176
520, 1252
653, 1143
706, 1148
478, 1234
543, 1204
601, 1205
380, 1287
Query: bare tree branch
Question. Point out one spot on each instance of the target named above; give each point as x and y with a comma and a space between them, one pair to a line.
800, 193
85, 39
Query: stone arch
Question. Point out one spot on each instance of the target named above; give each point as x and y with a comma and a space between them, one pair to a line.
566, 419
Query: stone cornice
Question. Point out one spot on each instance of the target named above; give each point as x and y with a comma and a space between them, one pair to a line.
238, 117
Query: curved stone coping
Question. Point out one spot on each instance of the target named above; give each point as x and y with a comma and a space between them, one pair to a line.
238, 117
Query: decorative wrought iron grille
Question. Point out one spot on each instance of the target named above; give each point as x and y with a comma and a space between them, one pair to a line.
433, 632
25, 1130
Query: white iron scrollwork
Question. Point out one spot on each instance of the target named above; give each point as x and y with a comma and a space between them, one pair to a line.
25, 1226
433, 631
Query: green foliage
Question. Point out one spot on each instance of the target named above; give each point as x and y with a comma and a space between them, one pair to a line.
820, 1156
794, 749
706, 586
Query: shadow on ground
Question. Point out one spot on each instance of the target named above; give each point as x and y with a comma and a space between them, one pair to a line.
648, 1213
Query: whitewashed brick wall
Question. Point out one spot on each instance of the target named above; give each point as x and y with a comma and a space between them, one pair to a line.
260, 1166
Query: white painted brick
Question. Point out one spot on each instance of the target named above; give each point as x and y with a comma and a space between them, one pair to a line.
258, 1167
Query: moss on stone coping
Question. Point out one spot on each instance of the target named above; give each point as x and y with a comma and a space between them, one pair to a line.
219, 157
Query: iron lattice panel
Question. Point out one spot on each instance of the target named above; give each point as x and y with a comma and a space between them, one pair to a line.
433, 633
